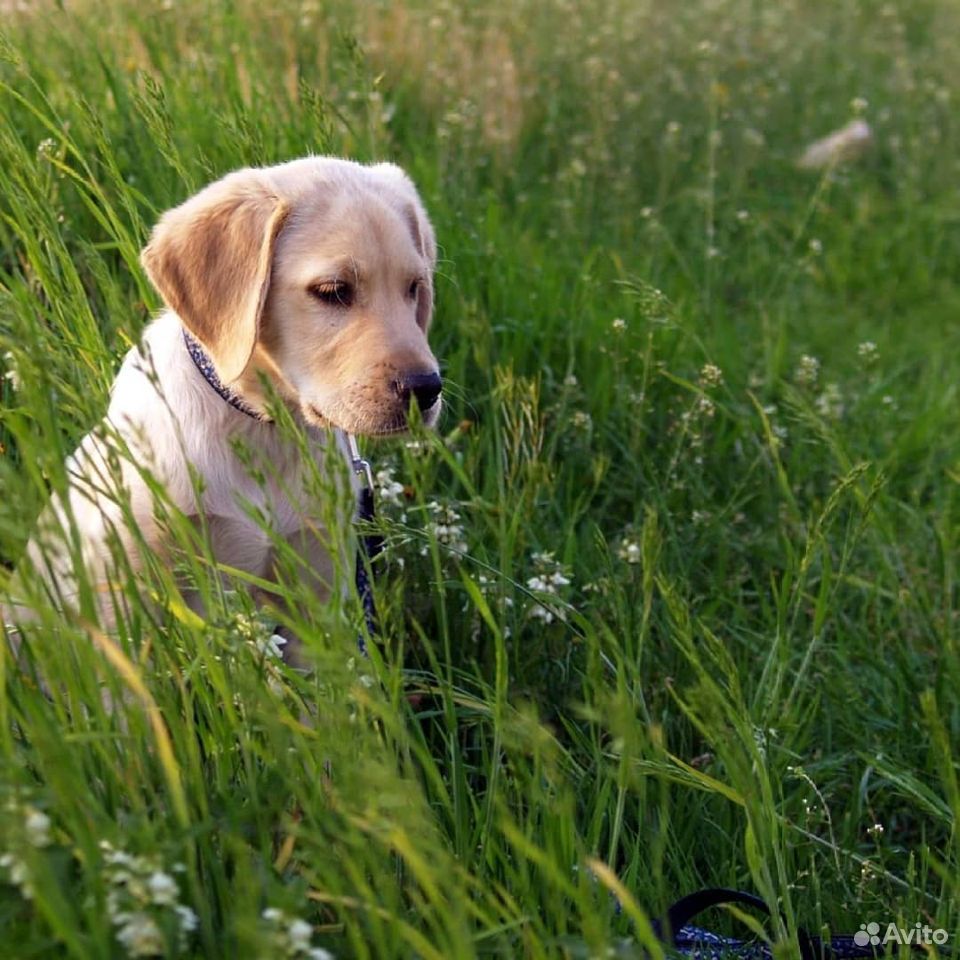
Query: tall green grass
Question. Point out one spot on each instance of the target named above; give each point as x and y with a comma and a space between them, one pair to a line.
672, 594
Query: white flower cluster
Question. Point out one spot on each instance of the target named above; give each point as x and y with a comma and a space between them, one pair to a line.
253, 630
581, 420
550, 578
290, 937
868, 353
270, 647
630, 550
12, 376
808, 371
445, 527
389, 490
710, 376
36, 831
141, 900
250, 629
830, 402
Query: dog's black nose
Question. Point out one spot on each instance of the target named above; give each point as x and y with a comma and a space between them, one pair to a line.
425, 387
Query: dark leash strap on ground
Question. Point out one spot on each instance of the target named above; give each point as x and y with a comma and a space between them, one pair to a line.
679, 934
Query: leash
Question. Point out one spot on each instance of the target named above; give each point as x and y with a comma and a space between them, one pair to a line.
676, 931
370, 545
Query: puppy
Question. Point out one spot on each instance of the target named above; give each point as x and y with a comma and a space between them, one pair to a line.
311, 281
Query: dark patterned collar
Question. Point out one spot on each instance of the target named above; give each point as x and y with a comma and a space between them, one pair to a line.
205, 365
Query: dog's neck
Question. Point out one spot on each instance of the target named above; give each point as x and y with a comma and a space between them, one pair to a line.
208, 371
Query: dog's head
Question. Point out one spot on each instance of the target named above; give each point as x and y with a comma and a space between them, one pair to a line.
316, 273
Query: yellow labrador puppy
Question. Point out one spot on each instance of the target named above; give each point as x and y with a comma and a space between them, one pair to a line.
315, 277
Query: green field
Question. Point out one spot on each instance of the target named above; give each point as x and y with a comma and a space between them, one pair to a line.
672, 596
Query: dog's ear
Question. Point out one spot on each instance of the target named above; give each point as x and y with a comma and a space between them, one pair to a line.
411, 208
210, 259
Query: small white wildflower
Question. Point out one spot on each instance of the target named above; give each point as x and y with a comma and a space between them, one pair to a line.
867, 352
808, 371
581, 420
389, 490
140, 935
19, 874
700, 517
619, 325
246, 627
139, 895
446, 528
815, 246
46, 148
630, 551
711, 375
858, 106
163, 888
542, 612
12, 376
570, 380
646, 212
187, 917
706, 407
417, 448
37, 827
291, 936
300, 933
830, 403
548, 580
743, 215
270, 647
116, 857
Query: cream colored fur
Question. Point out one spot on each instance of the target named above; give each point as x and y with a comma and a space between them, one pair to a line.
240, 266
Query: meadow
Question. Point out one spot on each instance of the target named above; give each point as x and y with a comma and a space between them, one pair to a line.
671, 596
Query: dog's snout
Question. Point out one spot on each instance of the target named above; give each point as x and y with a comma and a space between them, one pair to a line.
425, 387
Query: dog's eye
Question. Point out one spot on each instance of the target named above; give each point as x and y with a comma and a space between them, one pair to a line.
336, 293
413, 289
